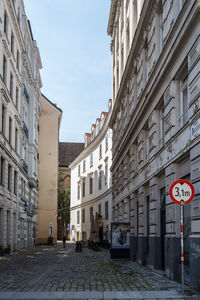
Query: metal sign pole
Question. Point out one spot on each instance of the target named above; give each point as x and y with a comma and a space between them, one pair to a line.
182, 247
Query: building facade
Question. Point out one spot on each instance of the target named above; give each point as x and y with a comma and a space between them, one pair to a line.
49, 122
20, 85
91, 181
156, 134
67, 153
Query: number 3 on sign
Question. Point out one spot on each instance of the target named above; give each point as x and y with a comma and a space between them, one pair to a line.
181, 191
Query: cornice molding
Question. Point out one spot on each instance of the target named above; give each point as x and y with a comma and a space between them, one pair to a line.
113, 10
89, 202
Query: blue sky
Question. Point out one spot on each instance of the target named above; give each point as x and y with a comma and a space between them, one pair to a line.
75, 52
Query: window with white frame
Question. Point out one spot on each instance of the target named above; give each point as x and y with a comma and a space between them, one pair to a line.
2, 172
106, 210
78, 217
9, 177
3, 119
91, 212
100, 151
15, 182
11, 85
106, 174
100, 179
184, 102
106, 142
91, 159
83, 188
91, 184
84, 166
78, 191
79, 170
4, 69
5, 25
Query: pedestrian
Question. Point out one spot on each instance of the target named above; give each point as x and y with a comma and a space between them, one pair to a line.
64, 239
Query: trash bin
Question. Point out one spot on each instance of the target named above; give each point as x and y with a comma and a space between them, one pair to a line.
50, 240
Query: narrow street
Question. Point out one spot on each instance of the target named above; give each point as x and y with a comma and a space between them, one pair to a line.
54, 272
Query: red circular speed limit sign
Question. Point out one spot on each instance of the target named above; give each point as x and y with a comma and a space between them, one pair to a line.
181, 191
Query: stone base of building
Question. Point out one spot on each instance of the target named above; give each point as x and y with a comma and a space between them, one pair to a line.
119, 253
166, 256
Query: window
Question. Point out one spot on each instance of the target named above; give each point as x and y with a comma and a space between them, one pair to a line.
91, 159
83, 189
5, 27
3, 119
11, 85
83, 216
9, 177
79, 170
4, 69
12, 43
184, 102
84, 166
18, 15
100, 151
106, 143
16, 139
78, 191
78, 217
2, 171
17, 98
106, 174
15, 182
160, 25
91, 185
17, 59
100, 180
91, 213
100, 209
10, 131
23, 188
106, 210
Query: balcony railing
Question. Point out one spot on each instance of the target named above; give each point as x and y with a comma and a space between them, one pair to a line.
30, 209
25, 128
24, 166
26, 93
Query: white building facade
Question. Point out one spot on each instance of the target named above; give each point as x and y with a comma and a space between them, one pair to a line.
91, 181
156, 135
20, 85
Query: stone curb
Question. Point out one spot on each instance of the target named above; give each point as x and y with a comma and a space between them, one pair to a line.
147, 295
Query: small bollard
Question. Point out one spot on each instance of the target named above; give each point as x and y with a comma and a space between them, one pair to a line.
78, 247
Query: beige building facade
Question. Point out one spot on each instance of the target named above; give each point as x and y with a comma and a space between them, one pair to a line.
156, 134
50, 120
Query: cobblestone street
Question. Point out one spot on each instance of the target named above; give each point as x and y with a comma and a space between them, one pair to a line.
54, 272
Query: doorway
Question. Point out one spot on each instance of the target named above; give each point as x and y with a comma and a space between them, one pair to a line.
147, 224
162, 226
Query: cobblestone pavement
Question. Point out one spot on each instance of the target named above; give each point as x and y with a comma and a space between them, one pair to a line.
57, 269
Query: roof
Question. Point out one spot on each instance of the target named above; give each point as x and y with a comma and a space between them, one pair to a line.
68, 152
55, 105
